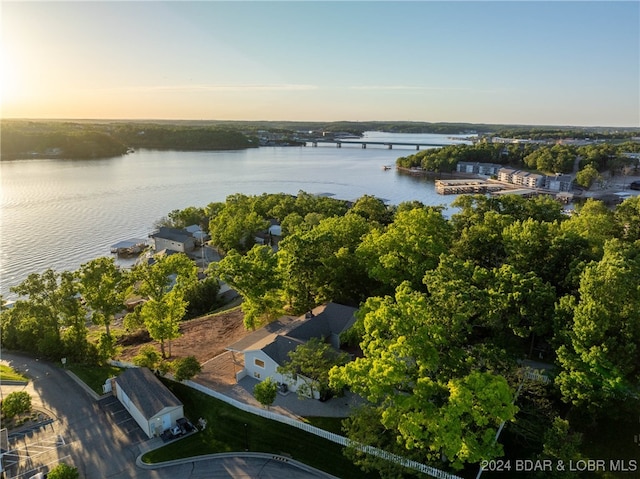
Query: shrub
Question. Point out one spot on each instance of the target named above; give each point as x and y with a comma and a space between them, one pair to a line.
147, 357
63, 471
186, 368
265, 392
18, 402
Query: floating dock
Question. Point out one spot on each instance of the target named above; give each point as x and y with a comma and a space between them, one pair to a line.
460, 187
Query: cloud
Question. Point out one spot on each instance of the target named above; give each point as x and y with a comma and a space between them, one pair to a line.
404, 88
199, 88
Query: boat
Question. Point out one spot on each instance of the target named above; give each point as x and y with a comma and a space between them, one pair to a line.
130, 247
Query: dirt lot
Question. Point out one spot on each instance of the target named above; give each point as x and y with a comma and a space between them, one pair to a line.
203, 338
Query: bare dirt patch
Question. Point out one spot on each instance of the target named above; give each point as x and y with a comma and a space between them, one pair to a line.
203, 338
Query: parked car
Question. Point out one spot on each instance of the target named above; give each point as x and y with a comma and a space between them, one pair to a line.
635, 185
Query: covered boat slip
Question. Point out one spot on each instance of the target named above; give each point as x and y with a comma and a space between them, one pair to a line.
129, 247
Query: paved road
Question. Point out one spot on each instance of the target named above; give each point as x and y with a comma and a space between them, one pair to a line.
83, 435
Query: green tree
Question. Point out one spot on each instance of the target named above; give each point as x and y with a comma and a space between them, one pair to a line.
36, 323
186, 368
599, 352
408, 248
310, 362
63, 471
147, 357
410, 370
265, 392
17, 402
235, 226
162, 318
256, 278
587, 176
164, 274
627, 215
103, 286
321, 264
372, 209
594, 222
561, 444
164, 282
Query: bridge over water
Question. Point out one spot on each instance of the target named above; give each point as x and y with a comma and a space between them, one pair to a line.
364, 143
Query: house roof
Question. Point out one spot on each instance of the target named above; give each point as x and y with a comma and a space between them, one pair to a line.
278, 338
146, 391
327, 319
280, 347
263, 336
172, 234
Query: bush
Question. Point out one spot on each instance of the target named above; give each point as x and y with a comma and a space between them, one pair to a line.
147, 357
265, 392
63, 471
186, 368
15, 403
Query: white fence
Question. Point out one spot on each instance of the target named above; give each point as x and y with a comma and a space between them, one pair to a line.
330, 436
343, 441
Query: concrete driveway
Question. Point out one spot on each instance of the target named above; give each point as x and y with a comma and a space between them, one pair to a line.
83, 435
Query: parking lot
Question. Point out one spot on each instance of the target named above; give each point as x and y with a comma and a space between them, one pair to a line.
120, 417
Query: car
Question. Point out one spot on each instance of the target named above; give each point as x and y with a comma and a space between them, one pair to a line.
635, 185
185, 425
176, 431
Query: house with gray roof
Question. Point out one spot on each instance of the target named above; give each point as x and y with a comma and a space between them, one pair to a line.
268, 348
173, 239
151, 404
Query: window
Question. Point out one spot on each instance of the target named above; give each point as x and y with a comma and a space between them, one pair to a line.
259, 363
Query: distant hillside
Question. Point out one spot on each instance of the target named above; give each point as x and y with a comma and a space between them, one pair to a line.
79, 140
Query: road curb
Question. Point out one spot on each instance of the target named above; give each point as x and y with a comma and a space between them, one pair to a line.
255, 455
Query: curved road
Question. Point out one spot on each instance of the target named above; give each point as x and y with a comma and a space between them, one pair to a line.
82, 435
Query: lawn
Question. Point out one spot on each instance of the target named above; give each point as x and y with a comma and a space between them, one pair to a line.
230, 429
7, 373
94, 376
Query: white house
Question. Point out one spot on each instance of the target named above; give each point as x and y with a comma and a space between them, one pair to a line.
269, 347
173, 239
149, 402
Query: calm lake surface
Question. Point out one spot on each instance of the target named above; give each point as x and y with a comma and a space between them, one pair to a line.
62, 213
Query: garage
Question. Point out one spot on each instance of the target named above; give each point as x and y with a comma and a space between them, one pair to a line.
151, 404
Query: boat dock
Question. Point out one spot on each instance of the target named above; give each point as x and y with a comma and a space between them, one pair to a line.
471, 186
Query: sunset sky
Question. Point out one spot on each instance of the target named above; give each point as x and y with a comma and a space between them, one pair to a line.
554, 63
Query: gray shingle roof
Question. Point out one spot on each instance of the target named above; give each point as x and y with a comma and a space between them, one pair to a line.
279, 349
146, 391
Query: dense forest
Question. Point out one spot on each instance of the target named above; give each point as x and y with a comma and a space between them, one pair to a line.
507, 313
592, 159
102, 139
38, 139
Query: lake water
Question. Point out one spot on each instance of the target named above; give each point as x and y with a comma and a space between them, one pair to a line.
62, 213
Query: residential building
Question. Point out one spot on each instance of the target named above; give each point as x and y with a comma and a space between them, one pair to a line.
268, 348
173, 239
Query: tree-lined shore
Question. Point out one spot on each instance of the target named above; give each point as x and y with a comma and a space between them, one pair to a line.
449, 308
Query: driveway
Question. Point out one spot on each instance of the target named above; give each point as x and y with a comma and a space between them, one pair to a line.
99, 441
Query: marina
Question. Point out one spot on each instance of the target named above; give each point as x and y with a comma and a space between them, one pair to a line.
467, 186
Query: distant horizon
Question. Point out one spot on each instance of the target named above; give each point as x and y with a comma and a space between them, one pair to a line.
490, 62
535, 125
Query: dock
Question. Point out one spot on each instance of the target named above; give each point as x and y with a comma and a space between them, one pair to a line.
470, 186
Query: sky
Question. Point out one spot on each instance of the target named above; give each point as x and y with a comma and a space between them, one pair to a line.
507, 62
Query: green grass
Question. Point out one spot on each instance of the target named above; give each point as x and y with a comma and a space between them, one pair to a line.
229, 429
94, 376
7, 373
